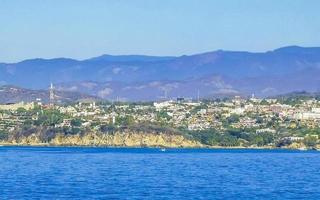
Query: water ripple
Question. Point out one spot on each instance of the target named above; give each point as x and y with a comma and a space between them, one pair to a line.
116, 173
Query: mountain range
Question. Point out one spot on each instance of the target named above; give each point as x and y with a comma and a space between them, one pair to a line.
139, 77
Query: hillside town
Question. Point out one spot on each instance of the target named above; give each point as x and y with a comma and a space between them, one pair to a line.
249, 122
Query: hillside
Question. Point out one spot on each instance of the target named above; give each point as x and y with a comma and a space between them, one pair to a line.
12, 94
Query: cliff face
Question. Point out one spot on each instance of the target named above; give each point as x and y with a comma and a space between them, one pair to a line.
124, 139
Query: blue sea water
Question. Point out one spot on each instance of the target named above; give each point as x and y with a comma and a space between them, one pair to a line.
142, 173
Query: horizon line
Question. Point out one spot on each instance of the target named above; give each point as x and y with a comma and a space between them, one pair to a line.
148, 55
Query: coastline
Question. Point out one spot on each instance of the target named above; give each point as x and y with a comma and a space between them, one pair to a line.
131, 139
40, 145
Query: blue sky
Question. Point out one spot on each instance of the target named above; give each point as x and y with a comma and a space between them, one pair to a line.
85, 28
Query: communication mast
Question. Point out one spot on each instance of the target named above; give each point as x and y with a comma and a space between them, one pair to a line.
51, 95
113, 114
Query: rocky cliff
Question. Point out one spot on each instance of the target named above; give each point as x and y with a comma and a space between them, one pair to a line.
121, 139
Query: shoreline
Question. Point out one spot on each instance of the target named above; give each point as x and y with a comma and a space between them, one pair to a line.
154, 147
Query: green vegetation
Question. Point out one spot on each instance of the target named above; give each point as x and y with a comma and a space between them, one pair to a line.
232, 138
49, 118
226, 123
3, 135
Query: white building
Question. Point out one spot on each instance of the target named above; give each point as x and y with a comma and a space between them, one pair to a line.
307, 116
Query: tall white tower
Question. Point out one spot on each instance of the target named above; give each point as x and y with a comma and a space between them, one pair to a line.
51, 95
113, 114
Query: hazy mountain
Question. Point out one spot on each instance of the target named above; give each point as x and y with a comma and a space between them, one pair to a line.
134, 76
12, 94
206, 87
211, 86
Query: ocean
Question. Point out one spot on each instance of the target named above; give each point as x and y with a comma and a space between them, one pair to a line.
149, 173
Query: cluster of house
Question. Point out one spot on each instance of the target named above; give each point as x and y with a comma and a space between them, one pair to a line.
10, 117
261, 115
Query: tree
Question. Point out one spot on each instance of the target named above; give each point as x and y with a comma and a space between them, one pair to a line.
76, 122
125, 120
3, 135
21, 110
264, 102
310, 141
233, 119
259, 120
50, 118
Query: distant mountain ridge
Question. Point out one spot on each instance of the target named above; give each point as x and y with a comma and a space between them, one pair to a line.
274, 72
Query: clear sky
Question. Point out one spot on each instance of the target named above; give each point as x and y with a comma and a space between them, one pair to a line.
85, 28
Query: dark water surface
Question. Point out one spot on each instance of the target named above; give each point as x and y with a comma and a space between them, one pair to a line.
120, 173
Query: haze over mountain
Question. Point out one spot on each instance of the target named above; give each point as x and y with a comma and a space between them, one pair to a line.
138, 77
12, 94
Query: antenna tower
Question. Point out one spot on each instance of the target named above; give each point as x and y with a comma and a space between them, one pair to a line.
51, 95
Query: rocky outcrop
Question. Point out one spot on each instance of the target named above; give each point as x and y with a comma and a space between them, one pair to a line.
297, 145
121, 139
